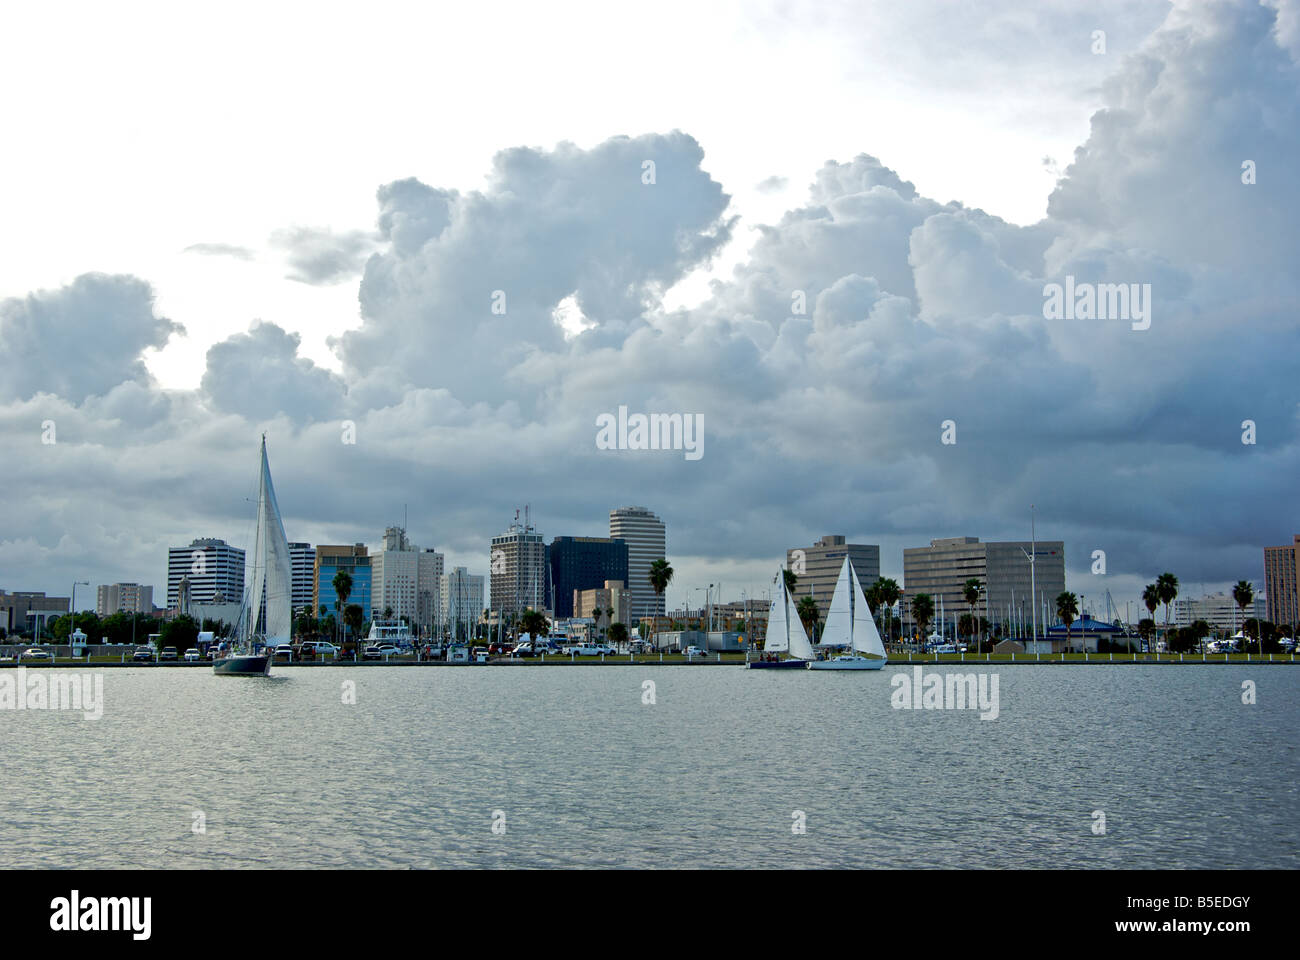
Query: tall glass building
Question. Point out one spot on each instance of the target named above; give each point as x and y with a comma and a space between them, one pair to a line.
581, 563
355, 559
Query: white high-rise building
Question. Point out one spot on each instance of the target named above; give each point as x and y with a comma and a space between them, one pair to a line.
518, 566
405, 580
646, 541
1219, 610
123, 598
302, 559
215, 570
462, 601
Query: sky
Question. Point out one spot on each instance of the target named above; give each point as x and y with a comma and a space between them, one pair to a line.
438, 224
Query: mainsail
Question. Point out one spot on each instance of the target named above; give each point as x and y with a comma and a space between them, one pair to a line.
839, 619
272, 569
866, 638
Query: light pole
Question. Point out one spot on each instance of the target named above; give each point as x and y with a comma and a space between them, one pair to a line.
72, 610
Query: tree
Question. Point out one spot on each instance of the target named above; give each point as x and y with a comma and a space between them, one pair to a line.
1167, 587
595, 615
342, 590
181, 633
1151, 600
810, 615
790, 579
1067, 608
888, 590
922, 612
1146, 627
533, 623
618, 633
971, 594
1244, 594
354, 616
661, 574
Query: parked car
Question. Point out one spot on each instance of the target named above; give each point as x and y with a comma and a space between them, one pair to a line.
32, 653
479, 654
214, 651
378, 651
692, 652
191, 655
168, 653
501, 648
144, 653
283, 650
322, 648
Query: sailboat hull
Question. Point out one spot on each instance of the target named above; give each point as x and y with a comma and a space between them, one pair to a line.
243, 666
847, 663
777, 664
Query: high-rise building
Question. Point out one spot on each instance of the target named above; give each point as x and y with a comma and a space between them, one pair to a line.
646, 540
214, 568
1219, 610
330, 560
111, 598
818, 567
406, 580
302, 560
1281, 576
518, 569
581, 563
462, 601
1002, 567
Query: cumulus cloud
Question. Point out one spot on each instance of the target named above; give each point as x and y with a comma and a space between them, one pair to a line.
80, 340
319, 256
824, 364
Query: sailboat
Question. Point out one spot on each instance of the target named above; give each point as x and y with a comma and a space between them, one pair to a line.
785, 634
849, 624
252, 652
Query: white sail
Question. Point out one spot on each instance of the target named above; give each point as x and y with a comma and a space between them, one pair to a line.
838, 631
800, 647
866, 638
778, 637
275, 561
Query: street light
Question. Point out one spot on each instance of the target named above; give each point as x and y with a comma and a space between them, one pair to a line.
72, 610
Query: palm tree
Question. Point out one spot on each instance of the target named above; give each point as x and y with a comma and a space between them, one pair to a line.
791, 581
889, 592
971, 594
342, 590
618, 633
661, 574
1244, 594
922, 612
595, 615
533, 622
1151, 599
1067, 608
353, 616
1167, 585
810, 615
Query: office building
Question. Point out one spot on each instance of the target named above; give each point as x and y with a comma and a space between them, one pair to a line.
332, 559
28, 611
1281, 575
581, 563
646, 540
406, 580
1003, 569
1219, 610
462, 600
612, 598
215, 571
111, 598
302, 561
818, 567
518, 569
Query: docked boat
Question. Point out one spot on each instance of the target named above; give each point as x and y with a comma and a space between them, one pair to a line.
850, 625
785, 634
261, 630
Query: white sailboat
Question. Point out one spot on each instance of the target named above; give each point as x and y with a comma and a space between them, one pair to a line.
272, 570
849, 624
785, 634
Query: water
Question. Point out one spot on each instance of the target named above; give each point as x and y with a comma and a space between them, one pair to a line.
586, 774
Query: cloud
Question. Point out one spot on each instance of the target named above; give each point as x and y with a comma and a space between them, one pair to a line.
80, 340
824, 364
220, 250
772, 184
321, 257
